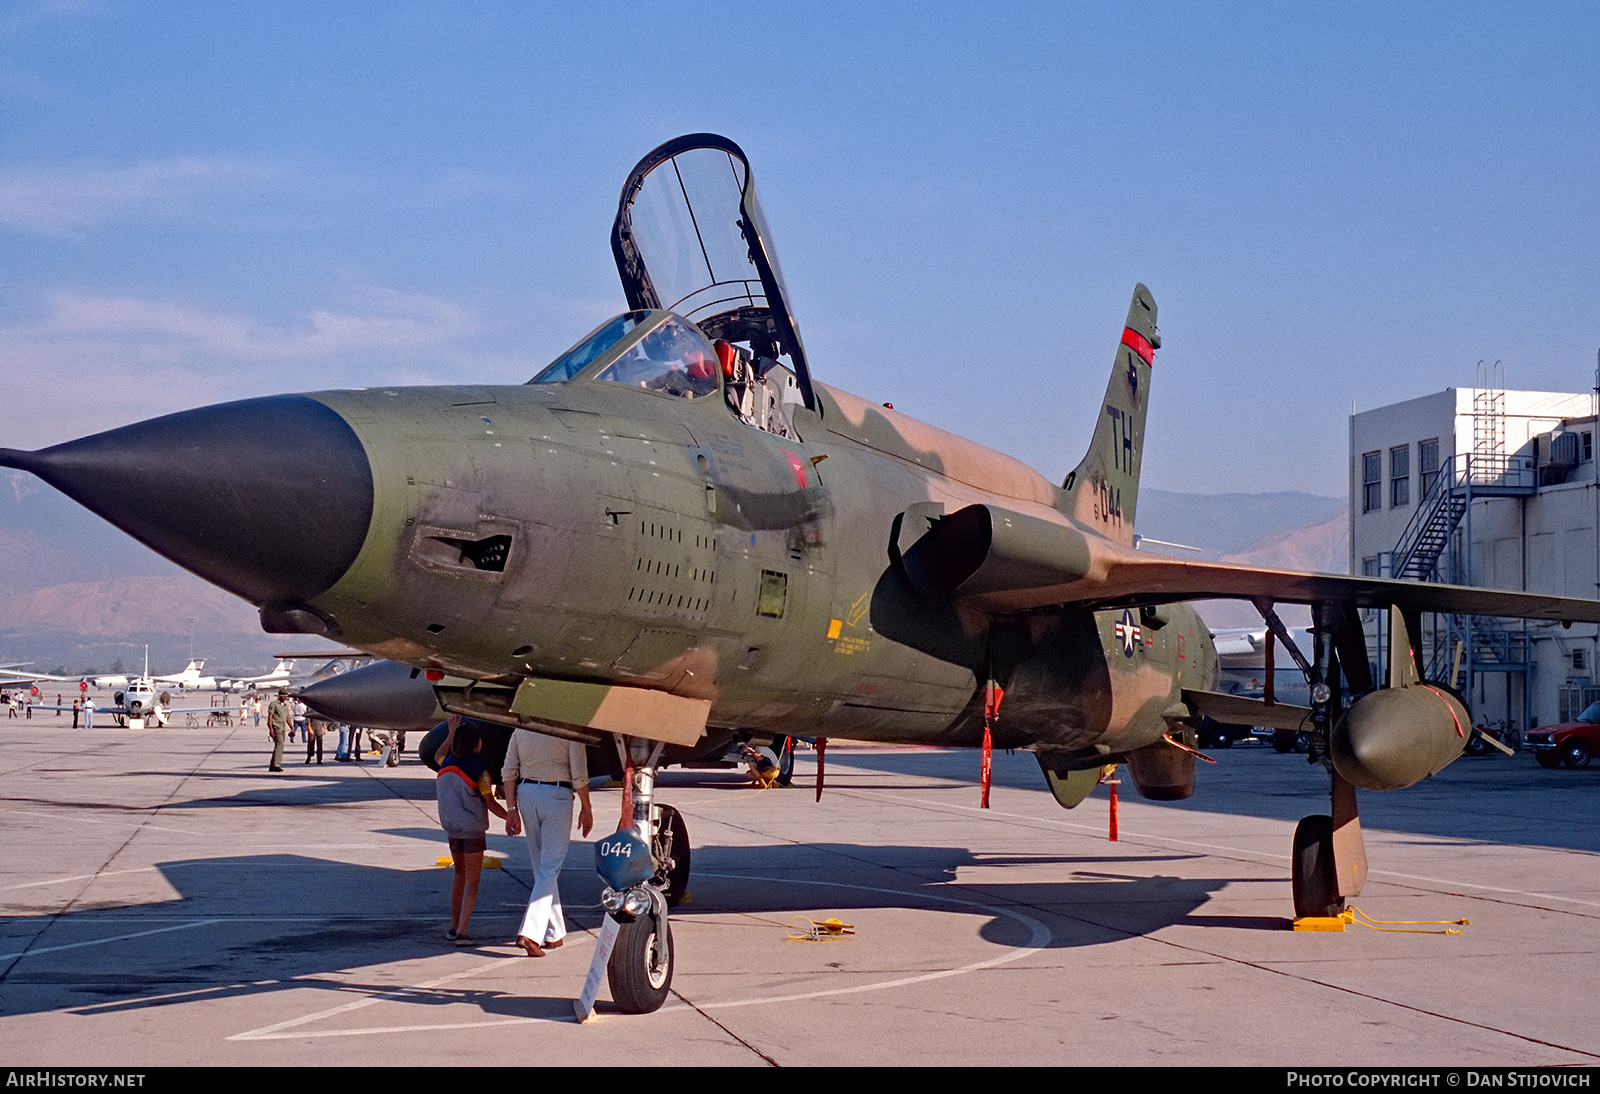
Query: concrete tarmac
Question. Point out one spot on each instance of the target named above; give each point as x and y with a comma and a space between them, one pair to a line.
167, 901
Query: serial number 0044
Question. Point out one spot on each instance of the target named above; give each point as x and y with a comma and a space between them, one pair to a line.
1107, 503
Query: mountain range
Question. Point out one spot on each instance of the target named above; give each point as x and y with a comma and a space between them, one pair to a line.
1285, 530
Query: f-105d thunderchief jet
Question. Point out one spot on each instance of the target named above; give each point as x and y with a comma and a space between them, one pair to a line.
674, 536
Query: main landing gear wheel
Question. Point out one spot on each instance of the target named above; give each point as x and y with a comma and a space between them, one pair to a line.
1316, 890
786, 762
640, 970
670, 849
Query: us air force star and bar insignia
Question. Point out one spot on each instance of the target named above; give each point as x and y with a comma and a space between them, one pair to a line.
1127, 632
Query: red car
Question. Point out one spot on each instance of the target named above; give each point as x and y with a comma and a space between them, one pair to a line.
1571, 743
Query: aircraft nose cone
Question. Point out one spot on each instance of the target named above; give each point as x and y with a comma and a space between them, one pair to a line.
268, 498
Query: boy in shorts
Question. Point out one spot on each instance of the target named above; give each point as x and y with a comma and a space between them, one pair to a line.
466, 798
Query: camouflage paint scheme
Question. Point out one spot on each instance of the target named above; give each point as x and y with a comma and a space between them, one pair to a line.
644, 527
642, 543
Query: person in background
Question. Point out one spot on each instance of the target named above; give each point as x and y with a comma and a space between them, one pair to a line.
279, 719
315, 729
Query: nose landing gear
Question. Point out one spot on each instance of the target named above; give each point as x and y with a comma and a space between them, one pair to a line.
640, 969
646, 870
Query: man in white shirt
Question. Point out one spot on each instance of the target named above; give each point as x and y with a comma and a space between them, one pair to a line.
540, 776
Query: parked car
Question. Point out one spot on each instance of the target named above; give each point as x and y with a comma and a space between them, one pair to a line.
1215, 734
1571, 743
1290, 740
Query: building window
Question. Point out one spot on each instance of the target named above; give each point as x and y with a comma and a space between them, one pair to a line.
1427, 466
1579, 662
1588, 445
1371, 481
1369, 568
1400, 476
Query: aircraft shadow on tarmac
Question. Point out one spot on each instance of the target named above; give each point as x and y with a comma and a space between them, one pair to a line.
233, 932
1491, 799
1082, 901
311, 788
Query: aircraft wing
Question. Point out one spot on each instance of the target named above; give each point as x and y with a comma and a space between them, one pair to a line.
1154, 581
1243, 710
13, 676
1000, 561
327, 655
1236, 644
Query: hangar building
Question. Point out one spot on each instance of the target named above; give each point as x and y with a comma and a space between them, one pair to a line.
1483, 486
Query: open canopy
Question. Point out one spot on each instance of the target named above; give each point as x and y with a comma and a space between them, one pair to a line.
689, 237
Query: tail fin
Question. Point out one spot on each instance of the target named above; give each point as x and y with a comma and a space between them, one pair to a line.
1103, 490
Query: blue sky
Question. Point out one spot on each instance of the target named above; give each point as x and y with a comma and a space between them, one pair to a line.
201, 202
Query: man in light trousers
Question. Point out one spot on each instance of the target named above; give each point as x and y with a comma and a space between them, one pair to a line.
541, 775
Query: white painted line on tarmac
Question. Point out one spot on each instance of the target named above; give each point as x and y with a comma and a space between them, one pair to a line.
1455, 883
1128, 836
304, 1034
76, 877
108, 941
230, 863
80, 818
277, 1031
1039, 937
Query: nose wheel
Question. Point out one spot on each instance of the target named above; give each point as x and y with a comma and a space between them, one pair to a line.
640, 970
646, 869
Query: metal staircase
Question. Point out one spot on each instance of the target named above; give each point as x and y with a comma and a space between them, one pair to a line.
1490, 646
1462, 478
1416, 555
1430, 550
